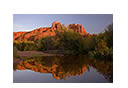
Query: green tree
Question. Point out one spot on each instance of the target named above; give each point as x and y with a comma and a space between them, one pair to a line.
109, 35
46, 43
71, 42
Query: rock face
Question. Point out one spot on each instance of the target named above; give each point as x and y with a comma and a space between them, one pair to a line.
78, 28
46, 31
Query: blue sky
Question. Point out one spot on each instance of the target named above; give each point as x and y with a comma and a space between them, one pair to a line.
93, 23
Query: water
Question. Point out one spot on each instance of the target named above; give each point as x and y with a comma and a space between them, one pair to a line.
64, 69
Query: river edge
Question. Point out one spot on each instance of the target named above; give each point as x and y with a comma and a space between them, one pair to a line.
21, 55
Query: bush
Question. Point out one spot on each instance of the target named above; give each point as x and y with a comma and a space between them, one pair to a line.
18, 56
92, 53
14, 51
71, 41
46, 43
25, 45
103, 44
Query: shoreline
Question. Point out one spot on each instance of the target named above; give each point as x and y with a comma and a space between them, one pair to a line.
23, 54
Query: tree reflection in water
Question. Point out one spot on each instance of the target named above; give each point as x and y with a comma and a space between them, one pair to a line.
62, 67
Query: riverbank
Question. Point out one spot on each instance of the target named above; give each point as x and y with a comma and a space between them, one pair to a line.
23, 54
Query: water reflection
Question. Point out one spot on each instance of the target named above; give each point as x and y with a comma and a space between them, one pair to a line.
64, 67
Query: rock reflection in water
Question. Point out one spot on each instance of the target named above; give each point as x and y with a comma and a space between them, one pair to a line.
66, 66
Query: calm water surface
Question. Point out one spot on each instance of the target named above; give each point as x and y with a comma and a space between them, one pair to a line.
63, 69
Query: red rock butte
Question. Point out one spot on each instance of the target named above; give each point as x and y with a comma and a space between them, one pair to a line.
47, 31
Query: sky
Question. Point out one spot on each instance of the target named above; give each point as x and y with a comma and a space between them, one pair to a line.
93, 23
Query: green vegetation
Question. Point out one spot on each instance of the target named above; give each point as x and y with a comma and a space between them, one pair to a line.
46, 43
14, 51
25, 45
72, 43
18, 56
104, 44
69, 42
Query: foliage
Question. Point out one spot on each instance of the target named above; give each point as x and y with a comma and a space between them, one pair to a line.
72, 41
104, 43
25, 45
14, 51
46, 43
18, 56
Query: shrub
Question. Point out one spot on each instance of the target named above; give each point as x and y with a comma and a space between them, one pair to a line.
14, 51
103, 44
25, 45
46, 43
71, 41
18, 56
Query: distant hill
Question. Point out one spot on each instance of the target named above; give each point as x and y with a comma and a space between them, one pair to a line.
47, 31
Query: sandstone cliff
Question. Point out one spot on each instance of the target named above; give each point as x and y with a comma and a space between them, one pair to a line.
47, 31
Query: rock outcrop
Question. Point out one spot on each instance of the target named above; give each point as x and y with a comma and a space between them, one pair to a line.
78, 28
47, 31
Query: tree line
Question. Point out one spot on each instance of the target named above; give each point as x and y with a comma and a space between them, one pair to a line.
72, 43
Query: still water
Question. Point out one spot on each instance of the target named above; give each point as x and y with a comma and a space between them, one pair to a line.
63, 69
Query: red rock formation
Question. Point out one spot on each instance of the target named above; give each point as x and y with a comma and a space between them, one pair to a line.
46, 31
78, 28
